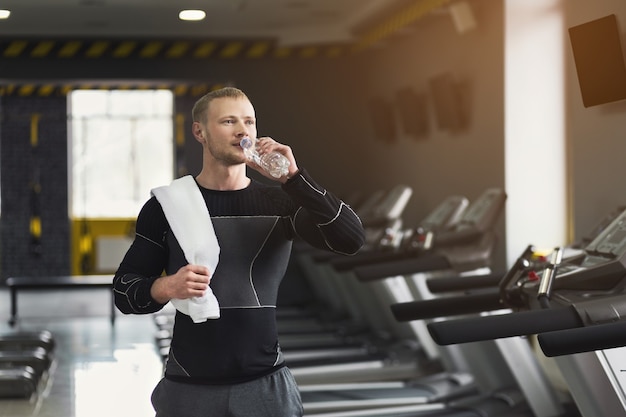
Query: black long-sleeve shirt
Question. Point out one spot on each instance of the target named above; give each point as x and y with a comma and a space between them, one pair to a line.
254, 227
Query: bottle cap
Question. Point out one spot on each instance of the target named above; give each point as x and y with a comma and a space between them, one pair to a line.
245, 143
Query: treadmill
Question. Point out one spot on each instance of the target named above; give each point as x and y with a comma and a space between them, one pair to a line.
398, 341
528, 380
428, 395
467, 246
365, 300
476, 221
577, 308
381, 217
464, 248
382, 291
447, 284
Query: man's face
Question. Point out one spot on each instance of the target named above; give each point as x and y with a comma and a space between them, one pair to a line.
228, 121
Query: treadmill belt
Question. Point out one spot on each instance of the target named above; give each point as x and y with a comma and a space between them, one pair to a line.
415, 395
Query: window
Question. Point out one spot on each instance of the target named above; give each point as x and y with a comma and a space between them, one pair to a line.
121, 145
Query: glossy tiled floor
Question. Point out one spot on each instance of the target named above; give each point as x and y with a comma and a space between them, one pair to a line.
100, 370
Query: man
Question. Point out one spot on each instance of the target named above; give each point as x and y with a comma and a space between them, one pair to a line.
231, 365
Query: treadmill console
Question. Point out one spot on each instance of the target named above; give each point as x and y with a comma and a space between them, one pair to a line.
611, 242
446, 214
444, 217
476, 222
601, 268
394, 203
483, 212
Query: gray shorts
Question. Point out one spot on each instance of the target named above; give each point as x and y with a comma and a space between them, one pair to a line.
274, 395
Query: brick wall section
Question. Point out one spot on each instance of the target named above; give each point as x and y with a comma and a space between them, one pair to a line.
18, 163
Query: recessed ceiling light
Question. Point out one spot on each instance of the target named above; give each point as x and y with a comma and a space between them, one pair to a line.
191, 15
4, 14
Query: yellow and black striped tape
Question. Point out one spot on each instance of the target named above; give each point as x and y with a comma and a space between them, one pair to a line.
68, 49
63, 89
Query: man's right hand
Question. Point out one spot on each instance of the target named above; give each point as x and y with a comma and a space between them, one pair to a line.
189, 281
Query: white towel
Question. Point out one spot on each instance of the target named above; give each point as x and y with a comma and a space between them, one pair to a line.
189, 218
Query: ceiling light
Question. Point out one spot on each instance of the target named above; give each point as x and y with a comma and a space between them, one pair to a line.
4, 14
191, 15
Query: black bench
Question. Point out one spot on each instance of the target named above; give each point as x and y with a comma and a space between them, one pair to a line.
57, 282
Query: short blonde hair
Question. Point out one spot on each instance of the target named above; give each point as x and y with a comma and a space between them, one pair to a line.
200, 109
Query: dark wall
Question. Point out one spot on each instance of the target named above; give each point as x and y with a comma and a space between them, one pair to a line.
445, 160
318, 107
34, 184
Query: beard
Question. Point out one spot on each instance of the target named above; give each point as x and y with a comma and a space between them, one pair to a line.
226, 154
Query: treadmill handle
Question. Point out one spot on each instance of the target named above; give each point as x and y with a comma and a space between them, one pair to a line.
447, 306
461, 283
583, 339
504, 325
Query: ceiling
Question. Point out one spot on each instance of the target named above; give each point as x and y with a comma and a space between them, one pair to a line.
118, 39
287, 22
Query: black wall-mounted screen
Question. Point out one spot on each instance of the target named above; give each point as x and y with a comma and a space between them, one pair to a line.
447, 102
413, 111
599, 61
383, 119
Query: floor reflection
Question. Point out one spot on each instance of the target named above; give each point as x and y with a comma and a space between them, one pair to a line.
99, 369
118, 387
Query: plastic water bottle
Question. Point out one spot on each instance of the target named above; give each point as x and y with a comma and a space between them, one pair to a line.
274, 162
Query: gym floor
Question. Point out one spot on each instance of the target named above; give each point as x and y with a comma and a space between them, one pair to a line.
99, 370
